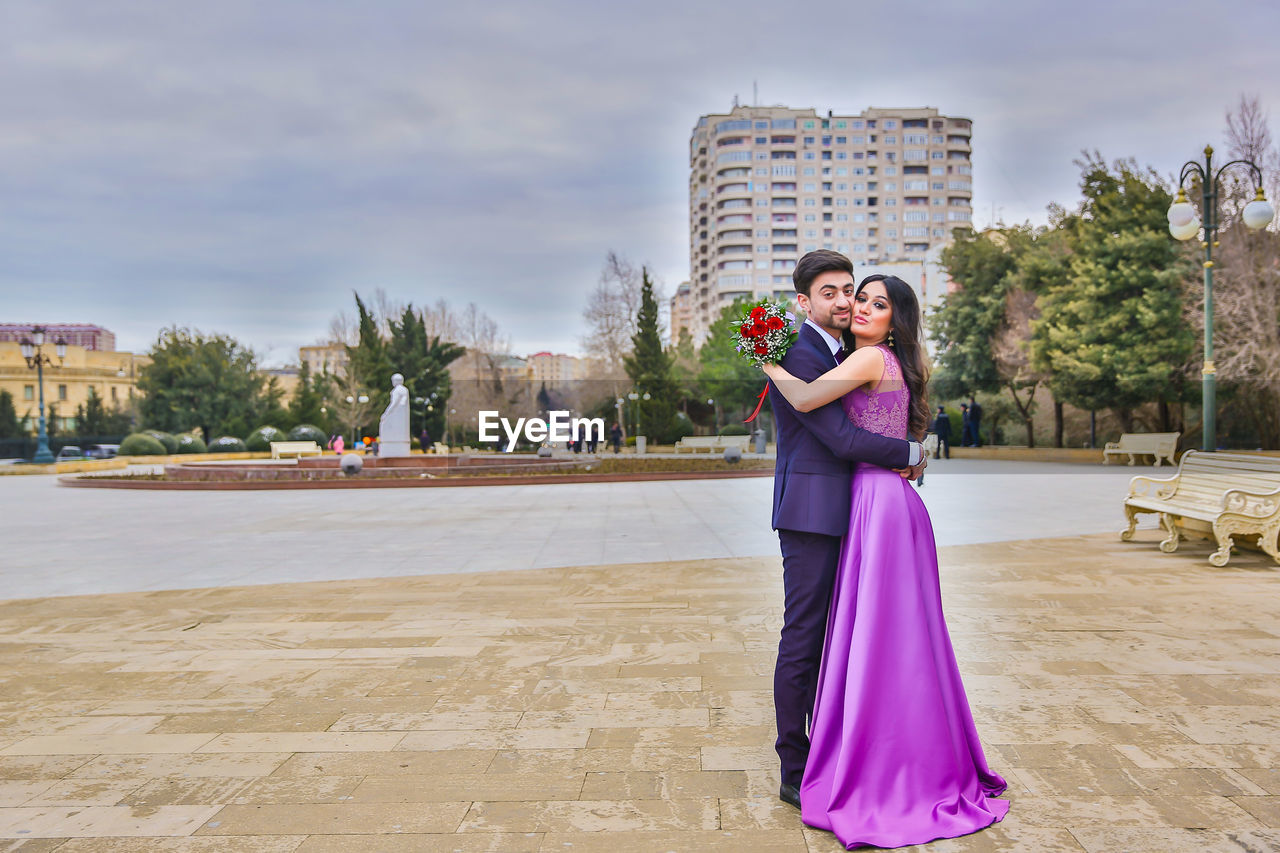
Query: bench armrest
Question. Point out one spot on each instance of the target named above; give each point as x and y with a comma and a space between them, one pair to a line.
1112, 445
1253, 504
1151, 487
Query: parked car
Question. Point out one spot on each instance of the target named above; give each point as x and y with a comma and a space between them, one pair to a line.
70, 452
102, 451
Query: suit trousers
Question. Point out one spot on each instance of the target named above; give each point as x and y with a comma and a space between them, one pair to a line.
808, 573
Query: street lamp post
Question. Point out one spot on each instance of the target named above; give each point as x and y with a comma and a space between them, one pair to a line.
1183, 225
355, 425
33, 352
715, 413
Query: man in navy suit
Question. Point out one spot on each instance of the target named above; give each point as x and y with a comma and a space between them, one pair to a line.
816, 452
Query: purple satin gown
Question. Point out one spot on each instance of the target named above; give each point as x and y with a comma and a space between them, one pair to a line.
894, 756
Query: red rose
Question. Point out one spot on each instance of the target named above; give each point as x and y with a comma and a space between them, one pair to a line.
761, 328
746, 330
762, 349
776, 323
757, 312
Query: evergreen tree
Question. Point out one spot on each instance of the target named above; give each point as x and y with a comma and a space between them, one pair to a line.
308, 399
91, 416
649, 367
726, 377
1111, 332
193, 381
368, 362
9, 425
424, 361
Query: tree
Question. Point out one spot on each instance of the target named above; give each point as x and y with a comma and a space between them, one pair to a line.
982, 328
198, 381
424, 362
308, 399
91, 416
368, 360
649, 367
611, 314
1111, 330
9, 425
728, 378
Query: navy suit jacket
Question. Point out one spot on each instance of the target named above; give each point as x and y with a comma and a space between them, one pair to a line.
816, 450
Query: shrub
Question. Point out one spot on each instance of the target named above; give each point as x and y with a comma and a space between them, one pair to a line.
735, 429
681, 427
308, 432
260, 439
189, 442
226, 444
168, 440
141, 444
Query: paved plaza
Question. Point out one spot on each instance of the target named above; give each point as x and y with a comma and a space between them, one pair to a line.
588, 667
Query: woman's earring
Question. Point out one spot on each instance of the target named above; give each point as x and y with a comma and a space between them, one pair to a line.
891, 337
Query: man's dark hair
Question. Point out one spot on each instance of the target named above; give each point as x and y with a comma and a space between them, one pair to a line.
814, 264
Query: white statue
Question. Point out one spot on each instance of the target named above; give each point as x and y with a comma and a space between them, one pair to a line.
393, 428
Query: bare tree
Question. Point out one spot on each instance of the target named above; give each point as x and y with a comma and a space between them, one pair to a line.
1248, 134
1011, 352
610, 314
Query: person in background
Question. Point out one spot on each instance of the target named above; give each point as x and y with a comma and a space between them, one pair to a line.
615, 437
975, 421
942, 429
966, 428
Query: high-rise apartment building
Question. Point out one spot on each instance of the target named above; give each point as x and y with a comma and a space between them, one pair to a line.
93, 338
767, 184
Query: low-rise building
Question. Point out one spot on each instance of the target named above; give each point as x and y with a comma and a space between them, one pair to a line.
68, 383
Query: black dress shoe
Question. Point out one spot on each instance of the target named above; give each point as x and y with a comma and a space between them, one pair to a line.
789, 794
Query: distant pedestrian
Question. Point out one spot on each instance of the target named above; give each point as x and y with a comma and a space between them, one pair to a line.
338, 444
966, 426
615, 437
975, 421
592, 440
942, 429
424, 440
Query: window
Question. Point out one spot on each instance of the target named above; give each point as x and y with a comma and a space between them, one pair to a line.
891, 249
892, 233
809, 171
859, 140
784, 170
890, 202
914, 154
936, 170
891, 187
808, 202
842, 140
889, 171
890, 124
762, 265
915, 185
841, 155
844, 202
842, 187
732, 156
762, 279
808, 125
937, 155
856, 124
915, 139
843, 248
891, 217
811, 233
811, 187
938, 217
858, 170
28, 392
843, 232
811, 247
915, 216
891, 140
938, 140
761, 140
762, 125
726, 126
842, 217
808, 155
762, 171
811, 217
762, 249
859, 247
915, 232
842, 171
783, 124
62, 392
859, 217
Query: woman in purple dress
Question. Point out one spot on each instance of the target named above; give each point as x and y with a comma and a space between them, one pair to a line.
895, 758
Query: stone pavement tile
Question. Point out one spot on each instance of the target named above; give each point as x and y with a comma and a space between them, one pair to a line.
1054, 756
1265, 809
564, 738
1083, 781
1149, 810
710, 841
241, 765
233, 721
108, 744
186, 790
608, 816
73, 822
244, 844
493, 787
453, 842
445, 762
38, 845
1268, 780
723, 735
594, 760
130, 707
300, 742
335, 819
758, 757
16, 792
654, 785
1176, 690
88, 792
1163, 839
432, 720
1250, 755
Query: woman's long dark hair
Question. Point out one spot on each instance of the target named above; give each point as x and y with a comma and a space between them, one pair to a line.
908, 345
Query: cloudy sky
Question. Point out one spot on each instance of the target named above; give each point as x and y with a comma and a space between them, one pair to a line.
241, 167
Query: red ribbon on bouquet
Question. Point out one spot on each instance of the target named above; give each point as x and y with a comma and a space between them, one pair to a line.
759, 403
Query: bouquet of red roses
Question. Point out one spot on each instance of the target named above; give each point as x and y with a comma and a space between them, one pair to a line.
766, 333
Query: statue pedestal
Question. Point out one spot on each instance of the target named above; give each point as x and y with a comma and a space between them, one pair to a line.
392, 448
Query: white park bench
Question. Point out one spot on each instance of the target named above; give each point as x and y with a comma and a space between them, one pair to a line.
711, 443
1214, 496
1157, 444
281, 449
440, 448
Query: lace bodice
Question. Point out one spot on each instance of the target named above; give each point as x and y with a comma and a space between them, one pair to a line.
886, 411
